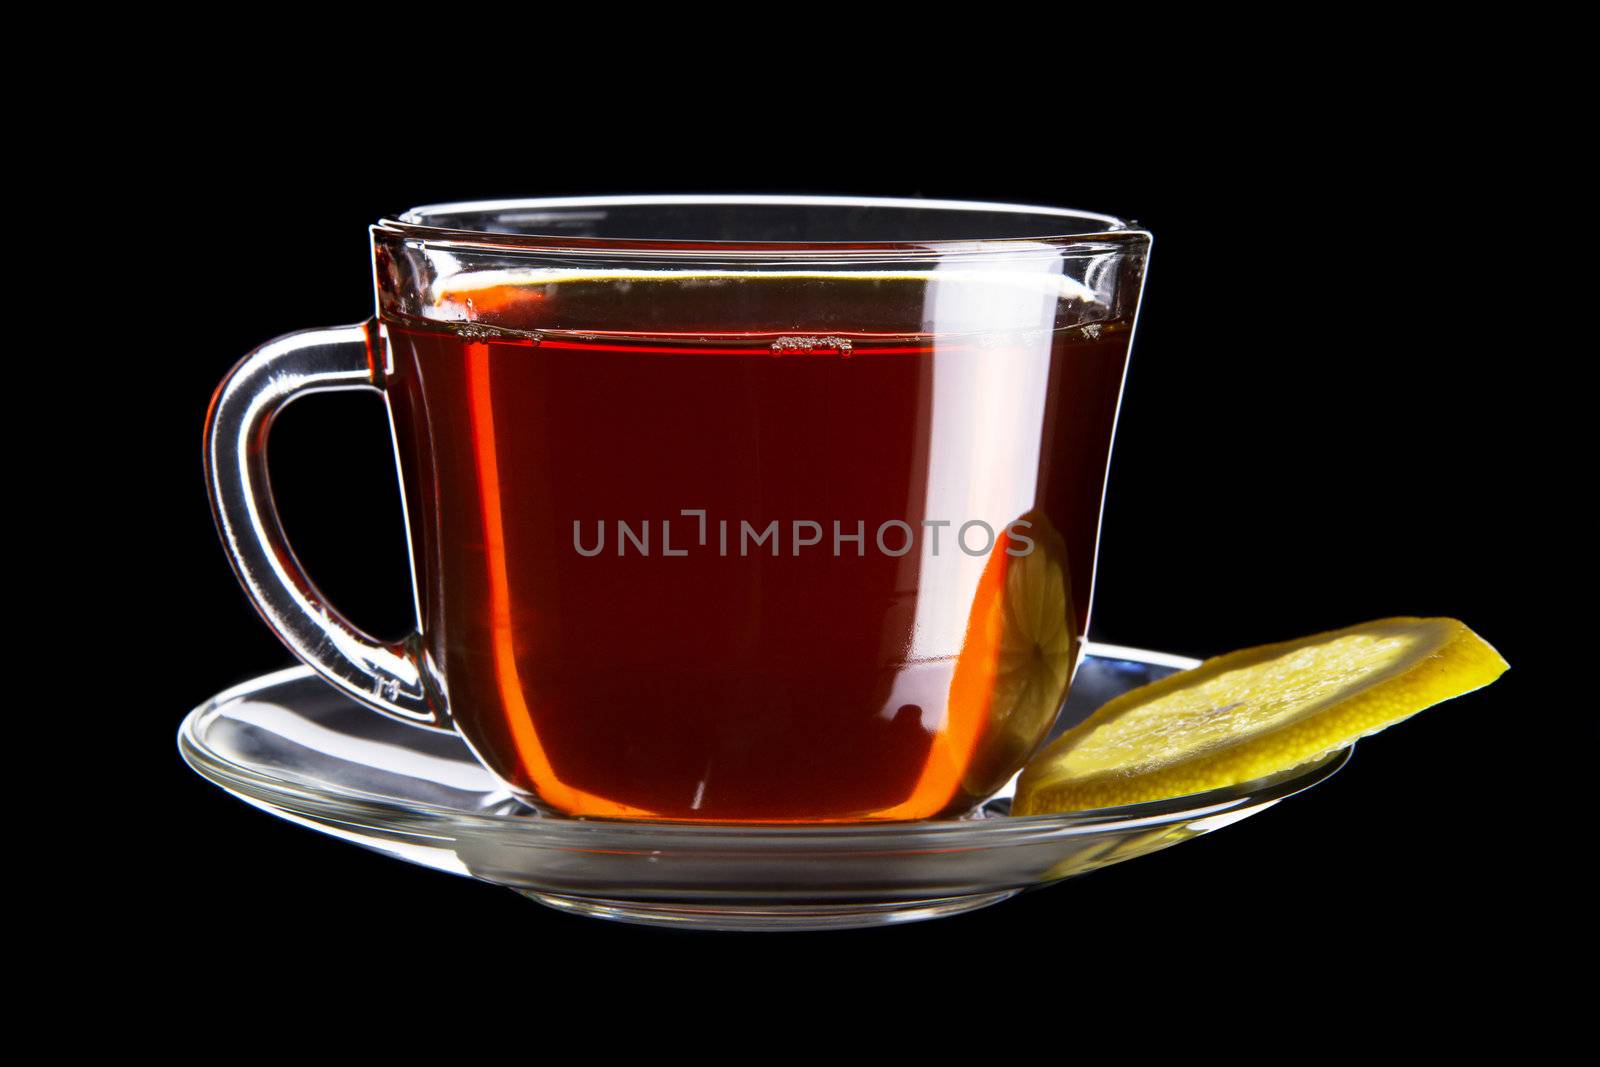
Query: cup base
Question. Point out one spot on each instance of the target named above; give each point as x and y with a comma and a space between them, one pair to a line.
772, 918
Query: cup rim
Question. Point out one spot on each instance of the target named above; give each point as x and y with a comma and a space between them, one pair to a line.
428, 224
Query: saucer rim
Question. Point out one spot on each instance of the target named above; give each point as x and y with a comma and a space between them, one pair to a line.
290, 792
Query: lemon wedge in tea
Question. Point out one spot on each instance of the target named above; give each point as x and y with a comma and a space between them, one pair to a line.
1256, 712
1016, 663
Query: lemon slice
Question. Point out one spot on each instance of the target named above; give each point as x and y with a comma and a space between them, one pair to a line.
1023, 642
1256, 712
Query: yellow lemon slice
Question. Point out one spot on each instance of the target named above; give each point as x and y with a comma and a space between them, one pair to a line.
1255, 712
1022, 643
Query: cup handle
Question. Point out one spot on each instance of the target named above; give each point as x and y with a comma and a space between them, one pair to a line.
387, 677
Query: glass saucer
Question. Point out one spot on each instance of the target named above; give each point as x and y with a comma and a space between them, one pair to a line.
291, 745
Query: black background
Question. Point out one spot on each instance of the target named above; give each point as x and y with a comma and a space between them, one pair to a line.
1327, 420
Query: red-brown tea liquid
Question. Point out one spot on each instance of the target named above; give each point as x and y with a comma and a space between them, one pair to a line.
679, 668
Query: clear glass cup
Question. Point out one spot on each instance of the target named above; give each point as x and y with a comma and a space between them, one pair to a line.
730, 509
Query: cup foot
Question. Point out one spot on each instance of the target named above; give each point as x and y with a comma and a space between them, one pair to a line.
769, 917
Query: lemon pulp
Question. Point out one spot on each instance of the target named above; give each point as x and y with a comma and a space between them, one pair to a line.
1256, 712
